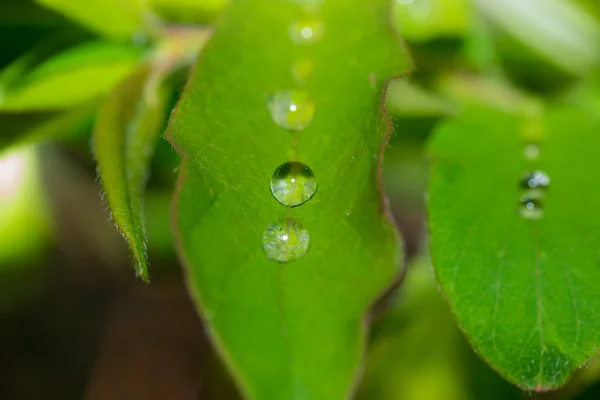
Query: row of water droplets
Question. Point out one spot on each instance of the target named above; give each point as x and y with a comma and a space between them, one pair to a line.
534, 183
293, 183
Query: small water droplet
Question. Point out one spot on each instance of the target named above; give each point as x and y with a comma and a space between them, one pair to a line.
285, 243
531, 205
535, 180
291, 109
301, 70
306, 32
532, 151
293, 183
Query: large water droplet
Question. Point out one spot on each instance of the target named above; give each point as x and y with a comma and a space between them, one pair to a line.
291, 109
293, 183
531, 205
285, 243
306, 32
535, 180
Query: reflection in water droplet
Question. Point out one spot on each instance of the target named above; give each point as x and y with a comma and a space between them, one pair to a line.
285, 243
531, 205
532, 151
291, 109
293, 183
306, 32
535, 179
301, 70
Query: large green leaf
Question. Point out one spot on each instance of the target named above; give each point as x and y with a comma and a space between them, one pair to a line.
78, 74
294, 330
125, 135
522, 283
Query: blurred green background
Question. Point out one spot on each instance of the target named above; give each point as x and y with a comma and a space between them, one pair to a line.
74, 323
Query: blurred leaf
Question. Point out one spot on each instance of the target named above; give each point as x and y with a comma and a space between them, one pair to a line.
422, 20
418, 353
190, 11
586, 94
479, 48
282, 328
158, 225
489, 91
125, 135
520, 275
118, 19
24, 217
560, 31
27, 13
415, 343
76, 75
406, 99
19, 128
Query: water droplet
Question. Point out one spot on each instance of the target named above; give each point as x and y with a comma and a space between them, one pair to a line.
531, 205
285, 243
535, 180
301, 70
293, 183
291, 109
306, 32
532, 151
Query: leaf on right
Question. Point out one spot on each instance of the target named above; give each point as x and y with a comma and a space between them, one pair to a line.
514, 216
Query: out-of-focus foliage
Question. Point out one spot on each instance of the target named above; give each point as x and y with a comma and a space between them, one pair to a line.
64, 72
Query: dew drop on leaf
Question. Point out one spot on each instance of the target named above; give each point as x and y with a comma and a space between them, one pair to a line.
293, 183
535, 180
291, 109
306, 32
532, 151
531, 205
285, 243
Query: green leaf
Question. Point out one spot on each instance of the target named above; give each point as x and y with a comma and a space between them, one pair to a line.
423, 20
190, 11
486, 90
25, 226
117, 19
125, 135
521, 284
417, 342
405, 99
282, 328
556, 29
19, 128
78, 74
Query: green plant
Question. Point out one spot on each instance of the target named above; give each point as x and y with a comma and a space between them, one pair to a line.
279, 215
